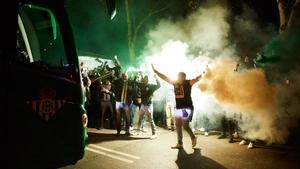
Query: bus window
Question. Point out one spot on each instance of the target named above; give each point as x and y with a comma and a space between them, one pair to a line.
42, 32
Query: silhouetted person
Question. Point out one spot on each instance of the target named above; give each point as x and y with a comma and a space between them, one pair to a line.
95, 90
228, 124
123, 96
106, 103
87, 93
137, 100
184, 104
147, 91
169, 109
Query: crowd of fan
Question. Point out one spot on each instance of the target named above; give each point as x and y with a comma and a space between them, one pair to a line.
113, 100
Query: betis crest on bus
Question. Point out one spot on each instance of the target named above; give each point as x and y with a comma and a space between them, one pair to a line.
47, 105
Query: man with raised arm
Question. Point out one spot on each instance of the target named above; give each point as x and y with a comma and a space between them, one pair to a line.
184, 104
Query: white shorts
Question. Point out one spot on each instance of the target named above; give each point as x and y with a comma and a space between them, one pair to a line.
121, 105
184, 113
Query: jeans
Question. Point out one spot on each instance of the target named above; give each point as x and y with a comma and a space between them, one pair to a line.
182, 119
228, 124
149, 110
205, 123
133, 111
106, 106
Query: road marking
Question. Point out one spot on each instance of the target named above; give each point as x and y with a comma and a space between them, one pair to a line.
114, 151
109, 155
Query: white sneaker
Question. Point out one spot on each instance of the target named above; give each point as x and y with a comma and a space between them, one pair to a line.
206, 133
130, 128
154, 136
201, 129
243, 142
250, 146
144, 130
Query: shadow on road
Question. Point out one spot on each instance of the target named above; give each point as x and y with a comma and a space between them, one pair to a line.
104, 137
195, 161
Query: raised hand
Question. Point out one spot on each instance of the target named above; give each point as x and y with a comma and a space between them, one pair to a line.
153, 67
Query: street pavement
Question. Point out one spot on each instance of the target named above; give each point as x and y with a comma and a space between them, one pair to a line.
106, 151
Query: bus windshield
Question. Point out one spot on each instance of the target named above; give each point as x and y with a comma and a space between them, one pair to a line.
41, 34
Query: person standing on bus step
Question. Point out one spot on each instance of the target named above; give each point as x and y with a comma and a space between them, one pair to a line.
184, 105
106, 102
95, 110
87, 93
147, 91
123, 95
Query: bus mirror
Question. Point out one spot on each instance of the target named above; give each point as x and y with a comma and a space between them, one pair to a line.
53, 21
111, 8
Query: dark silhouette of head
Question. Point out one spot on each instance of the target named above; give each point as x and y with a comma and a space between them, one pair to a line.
181, 77
146, 80
124, 76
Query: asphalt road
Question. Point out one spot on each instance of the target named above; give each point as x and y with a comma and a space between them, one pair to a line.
106, 151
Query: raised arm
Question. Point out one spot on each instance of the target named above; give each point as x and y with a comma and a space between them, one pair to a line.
195, 80
162, 76
157, 86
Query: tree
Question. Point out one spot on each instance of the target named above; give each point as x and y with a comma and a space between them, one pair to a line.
154, 7
287, 21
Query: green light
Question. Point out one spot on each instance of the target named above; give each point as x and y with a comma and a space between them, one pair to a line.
53, 21
113, 15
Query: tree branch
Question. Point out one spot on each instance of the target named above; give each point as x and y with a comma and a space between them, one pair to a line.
294, 13
282, 16
129, 33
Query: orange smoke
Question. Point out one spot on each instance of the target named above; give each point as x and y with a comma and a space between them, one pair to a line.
240, 91
248, 92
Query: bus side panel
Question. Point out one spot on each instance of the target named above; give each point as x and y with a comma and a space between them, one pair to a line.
48, 117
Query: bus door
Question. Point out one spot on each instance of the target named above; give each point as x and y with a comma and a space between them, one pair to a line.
45, 94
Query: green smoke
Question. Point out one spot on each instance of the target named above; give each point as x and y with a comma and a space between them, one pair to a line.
97, 35
282, 53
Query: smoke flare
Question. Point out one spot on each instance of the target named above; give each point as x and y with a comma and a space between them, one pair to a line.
268, 110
